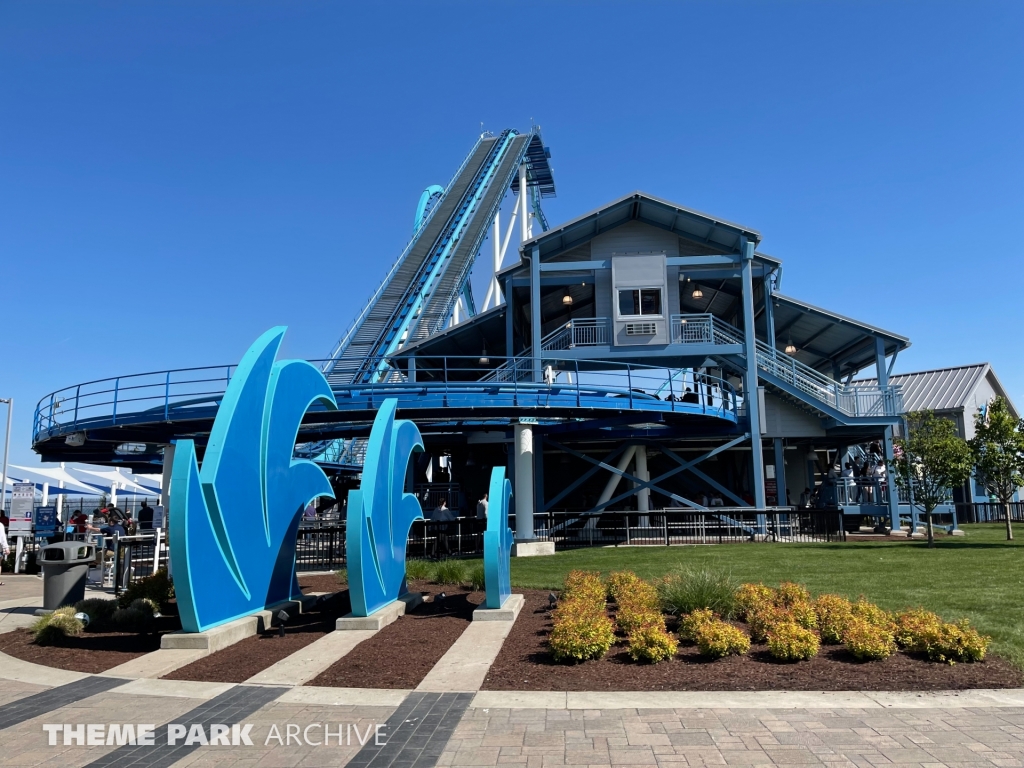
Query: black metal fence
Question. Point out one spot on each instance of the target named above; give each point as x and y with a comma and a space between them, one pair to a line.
136, 557
323, 547
988, 512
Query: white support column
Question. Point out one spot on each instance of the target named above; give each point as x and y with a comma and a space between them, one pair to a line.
46, 494
613, 481
524, 482
524, 213
165, 500
643, 497
113, 494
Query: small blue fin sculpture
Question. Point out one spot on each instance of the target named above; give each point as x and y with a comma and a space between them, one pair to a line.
498, 541
234, 522
380, 514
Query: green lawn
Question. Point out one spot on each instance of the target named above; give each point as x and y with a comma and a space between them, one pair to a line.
979, 577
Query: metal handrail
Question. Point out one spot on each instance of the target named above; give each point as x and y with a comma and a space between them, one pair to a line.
578, 332
703, 329
137, 397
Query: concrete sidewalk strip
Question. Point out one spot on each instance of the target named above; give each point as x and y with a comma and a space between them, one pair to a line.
38, 674
464, 666
520, 700
347, 697
306, 663
182, 689
158, 663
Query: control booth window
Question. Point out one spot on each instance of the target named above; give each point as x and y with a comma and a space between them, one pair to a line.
640, 301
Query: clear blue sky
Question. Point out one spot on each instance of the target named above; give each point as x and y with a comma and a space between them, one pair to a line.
175, 178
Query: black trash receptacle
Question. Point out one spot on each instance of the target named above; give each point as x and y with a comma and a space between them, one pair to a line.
65, 567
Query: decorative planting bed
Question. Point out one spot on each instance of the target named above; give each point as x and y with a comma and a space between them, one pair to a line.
527, 662
240, 661
401, 654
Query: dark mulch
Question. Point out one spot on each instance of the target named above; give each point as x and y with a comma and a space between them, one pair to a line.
326, 582
90, 652
238, 662
524, 663
401, 654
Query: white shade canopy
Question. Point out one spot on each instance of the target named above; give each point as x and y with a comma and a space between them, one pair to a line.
57, 474
113, 476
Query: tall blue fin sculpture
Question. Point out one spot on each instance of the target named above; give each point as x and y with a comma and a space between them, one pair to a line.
380, 514
234, 522
498, 541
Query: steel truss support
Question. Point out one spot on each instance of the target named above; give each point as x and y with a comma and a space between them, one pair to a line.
641, 484
493, 297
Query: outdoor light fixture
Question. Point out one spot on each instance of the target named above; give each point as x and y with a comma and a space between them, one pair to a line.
790, 349
552, 600
697, 293
283, 617
567, 299
484, 359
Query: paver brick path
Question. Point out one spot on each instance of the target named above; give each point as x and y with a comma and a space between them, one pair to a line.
538, 738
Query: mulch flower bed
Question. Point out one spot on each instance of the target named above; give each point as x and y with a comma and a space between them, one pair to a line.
525, 663
240, 661
401, 654
90, 652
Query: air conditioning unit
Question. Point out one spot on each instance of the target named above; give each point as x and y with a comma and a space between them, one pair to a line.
641, 329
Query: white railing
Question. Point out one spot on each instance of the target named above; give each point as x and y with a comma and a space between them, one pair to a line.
578, 332
703, 329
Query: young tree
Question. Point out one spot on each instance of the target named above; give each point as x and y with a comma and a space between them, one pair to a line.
998, 450
929, 461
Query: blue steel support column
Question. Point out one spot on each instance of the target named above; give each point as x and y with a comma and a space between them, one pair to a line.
894, 500
769, 311
535, 312
509, 304
750, 379
780, 472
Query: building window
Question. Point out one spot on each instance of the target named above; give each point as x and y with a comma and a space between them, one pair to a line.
640, 301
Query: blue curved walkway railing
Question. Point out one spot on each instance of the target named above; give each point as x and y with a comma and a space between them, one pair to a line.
450, 383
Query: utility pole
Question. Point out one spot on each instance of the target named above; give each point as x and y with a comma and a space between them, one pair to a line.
7, 446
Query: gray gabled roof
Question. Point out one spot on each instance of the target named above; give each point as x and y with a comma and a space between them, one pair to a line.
945, 389
719, 234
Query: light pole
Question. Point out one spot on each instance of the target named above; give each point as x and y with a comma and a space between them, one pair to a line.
7, 445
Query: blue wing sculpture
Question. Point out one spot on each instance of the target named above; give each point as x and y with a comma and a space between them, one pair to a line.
380, 514
233, 523
498, 541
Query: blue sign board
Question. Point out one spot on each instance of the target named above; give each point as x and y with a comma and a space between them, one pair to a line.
46, 521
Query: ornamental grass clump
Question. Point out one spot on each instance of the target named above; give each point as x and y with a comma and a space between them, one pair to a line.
867, 641
419, 570
477, 579
951, 643
54, 627
716, 639
691, 623
914, 628
752, 597
450, 572
789, 642
652, 644
686, 590
833, 613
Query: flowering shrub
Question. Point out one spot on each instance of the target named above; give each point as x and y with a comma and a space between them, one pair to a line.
872, 614
54, 627
915, 627
652, 644
956, 642
692, 622
584, 585
868, 641
620, 583
789, 594
582, 635
788, 642
833, 613
630, 621
763, 619
717, 639
803, 615
750, 597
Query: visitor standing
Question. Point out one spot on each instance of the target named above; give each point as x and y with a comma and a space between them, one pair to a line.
145, 517
481, 508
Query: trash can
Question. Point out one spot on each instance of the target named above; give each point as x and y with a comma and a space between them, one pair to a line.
65, 567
